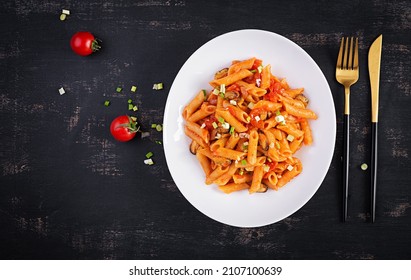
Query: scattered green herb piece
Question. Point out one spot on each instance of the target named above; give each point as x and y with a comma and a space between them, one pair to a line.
232, 130
130, 101
133, 89
119, 89
159, 127
149, 155
149, 161
205, 94
130, 107
244, 162
153, 125
135, 108
364, 166
158, 86
221, 120
214, 124
107, 103
159, 142
134, 119
63, 17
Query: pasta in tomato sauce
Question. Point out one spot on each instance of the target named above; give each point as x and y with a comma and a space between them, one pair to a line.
246, 129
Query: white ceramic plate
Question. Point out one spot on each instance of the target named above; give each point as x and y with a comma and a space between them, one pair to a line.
287, 60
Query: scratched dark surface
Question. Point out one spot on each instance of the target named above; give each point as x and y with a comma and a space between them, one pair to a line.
69, 191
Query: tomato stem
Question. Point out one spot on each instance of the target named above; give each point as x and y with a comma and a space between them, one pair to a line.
95, 46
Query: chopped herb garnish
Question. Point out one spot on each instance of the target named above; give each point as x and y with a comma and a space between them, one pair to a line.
244, 162
135, 108
149, 155
205, 94
214, 124
216, 91
278, 113
133, 89
130, 107
149, 161
134, 119
221, 120
119, 89
364, 166
63, 17
153, 125
65, 12
62, 91
232, 130
159, 127
158, 86
107, 103
130, 101
159, 142
277, 145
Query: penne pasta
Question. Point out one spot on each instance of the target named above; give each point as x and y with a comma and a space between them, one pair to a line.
247, 128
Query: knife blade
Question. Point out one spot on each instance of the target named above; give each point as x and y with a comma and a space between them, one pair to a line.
374, 66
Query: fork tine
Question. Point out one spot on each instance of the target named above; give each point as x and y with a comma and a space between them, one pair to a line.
345, 59
340, 54
351, 53
356, 54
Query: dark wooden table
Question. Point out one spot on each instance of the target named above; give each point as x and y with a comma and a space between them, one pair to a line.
69, 191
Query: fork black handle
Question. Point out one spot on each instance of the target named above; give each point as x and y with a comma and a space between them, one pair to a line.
346, 163
374, 148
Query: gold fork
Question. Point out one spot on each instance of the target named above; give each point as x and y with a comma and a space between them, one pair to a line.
347, 74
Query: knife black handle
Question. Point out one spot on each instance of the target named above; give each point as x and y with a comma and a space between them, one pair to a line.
374, 159
346, 163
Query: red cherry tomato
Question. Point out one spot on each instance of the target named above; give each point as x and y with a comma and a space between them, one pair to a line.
84, 43
123, 128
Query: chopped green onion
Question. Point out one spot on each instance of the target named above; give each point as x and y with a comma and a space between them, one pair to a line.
260, 69
244, 162
253, 71
159, 127
290, 138
158, 86
232, 130
134, 119
135, 108
153, 125
133, 89
364, 166
279, 118
130, 101
250, 105
65, 12
222, 94
278, 113
222, 88
290, 167
149, 161
62, 91
63, 17
158, 142
214, 124
119, 89
216, 91
130, 107
149, 155
205, 94
225, 125
221, 120
277, 145
107, 103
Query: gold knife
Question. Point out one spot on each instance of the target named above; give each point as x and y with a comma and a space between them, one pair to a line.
374, 65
